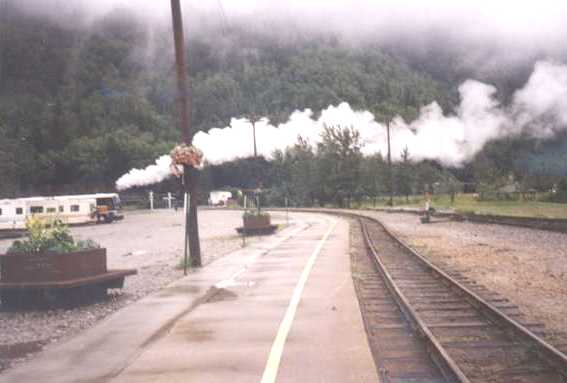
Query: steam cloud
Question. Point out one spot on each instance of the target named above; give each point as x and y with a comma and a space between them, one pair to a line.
539, 109
455, 138
542, 104
150, 175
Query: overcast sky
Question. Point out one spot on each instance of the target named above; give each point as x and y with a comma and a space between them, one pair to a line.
506, 19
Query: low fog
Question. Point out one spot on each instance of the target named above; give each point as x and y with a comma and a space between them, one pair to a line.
489, 38
486, 36
508, 30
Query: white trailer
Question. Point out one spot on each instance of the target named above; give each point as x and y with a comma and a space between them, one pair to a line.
12, 214
71, 209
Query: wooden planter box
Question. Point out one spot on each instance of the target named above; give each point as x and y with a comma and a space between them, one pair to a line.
34, 280
256, 222
26, 268
256, 225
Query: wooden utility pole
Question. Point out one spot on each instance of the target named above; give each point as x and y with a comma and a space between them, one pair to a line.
184, 108
390, 173
253, 120
254, 133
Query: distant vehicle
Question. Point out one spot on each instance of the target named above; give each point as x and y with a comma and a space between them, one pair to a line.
219, 197
71, 209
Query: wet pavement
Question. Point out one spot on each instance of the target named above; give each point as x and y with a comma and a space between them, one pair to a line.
280, 310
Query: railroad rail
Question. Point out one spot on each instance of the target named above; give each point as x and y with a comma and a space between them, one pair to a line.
471, 338
537, 223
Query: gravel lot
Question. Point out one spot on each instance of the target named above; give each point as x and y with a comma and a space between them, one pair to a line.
527, 266
151, 242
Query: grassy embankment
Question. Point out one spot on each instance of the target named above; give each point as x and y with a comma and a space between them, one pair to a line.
465, 203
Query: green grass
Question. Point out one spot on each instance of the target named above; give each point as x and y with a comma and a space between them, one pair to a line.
465, 203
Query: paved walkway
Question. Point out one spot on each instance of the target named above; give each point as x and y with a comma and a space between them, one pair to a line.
281, 310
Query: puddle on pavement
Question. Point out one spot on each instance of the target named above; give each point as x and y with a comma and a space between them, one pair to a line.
194, 332
221, 295
199, 335
10, 352
170, 291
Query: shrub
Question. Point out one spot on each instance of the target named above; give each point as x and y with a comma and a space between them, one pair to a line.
87, 244
49, 237
254, 213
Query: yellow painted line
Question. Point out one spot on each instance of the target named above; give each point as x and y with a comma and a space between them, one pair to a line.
273, 364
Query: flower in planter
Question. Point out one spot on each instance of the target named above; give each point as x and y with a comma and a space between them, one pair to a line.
187, 155
49, 237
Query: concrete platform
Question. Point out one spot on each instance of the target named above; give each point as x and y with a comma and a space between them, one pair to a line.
281, 310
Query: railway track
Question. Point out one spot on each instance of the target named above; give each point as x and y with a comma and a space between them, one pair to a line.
428, 326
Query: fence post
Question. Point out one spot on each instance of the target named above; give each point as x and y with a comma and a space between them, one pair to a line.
169, 200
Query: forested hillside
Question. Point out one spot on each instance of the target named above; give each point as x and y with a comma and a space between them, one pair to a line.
81, 105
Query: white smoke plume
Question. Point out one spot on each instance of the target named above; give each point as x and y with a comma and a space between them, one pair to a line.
150, 175
454, 138
235, 141
539, 108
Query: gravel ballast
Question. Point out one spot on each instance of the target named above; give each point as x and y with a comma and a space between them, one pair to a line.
151, 242
527, 266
